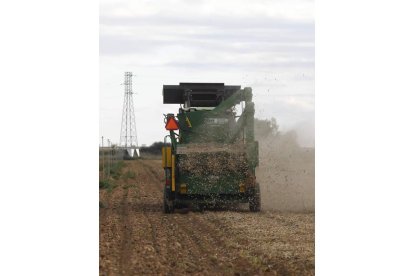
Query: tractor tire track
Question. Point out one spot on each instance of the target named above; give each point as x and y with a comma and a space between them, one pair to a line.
177, 226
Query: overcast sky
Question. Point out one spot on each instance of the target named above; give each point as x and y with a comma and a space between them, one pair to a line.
267, 45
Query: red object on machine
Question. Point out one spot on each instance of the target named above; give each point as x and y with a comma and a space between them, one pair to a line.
171, 124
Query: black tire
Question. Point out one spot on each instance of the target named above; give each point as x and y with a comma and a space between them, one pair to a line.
254, 201
168, 204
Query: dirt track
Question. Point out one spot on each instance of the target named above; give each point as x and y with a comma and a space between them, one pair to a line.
136, 238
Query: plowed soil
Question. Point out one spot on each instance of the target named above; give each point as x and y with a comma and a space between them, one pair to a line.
137, 238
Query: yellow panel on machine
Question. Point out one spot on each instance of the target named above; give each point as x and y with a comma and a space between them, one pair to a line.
166, 157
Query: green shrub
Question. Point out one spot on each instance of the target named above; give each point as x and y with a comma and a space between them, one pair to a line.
116, 169
129, 174
107, 185
104, 184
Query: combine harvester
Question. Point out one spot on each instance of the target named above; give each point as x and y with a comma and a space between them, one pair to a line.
213, 157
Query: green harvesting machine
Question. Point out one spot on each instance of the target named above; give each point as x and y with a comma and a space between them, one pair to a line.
210, 154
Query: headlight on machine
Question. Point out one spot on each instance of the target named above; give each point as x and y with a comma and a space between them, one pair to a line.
183, 188
242, 187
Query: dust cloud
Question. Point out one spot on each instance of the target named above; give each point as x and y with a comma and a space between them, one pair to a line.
286, 173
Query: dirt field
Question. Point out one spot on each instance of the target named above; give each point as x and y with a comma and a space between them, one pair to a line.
136, 238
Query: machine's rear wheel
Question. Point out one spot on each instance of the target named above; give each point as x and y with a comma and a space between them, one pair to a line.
168, 204
254, 201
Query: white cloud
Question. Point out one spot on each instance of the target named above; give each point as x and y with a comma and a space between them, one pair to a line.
291, 9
